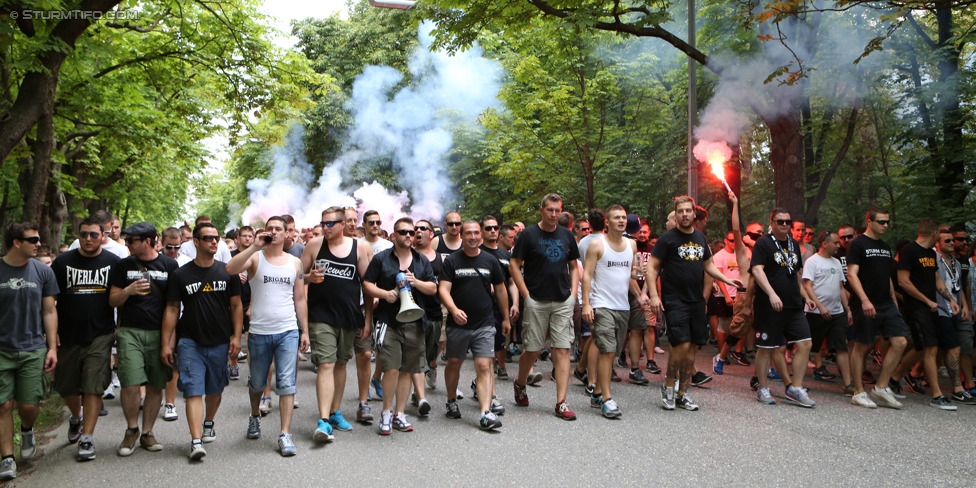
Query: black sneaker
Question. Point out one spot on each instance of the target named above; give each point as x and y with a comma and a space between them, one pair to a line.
583, 377
453, 412
942, 403
613, 376
589, 389
754, 383
686, 403
895, 387
699, 379
544, 355
637, 378
740, 358
963, 397
622, 360
914, 383
652, 367
823, 374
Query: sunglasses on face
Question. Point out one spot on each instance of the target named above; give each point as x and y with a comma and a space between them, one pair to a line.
209, 238
32, 240
453, 224
851, 236
784, 222
405, 232
373, 222
754, 235
330, 223
172, 246
947, 241
87, 235
882, 222
961, 239
421, 228
491, 227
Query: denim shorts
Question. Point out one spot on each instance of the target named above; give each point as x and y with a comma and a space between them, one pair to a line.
283, 350
203, 369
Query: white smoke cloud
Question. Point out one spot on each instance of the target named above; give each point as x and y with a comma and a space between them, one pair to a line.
410, 126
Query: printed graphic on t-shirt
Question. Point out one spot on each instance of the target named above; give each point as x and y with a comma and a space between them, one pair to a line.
17, 284
86, 281
555, 249
926, 262
208, 287
785, 258
691, 251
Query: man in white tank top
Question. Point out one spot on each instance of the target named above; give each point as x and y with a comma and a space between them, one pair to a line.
606, 304
279, 324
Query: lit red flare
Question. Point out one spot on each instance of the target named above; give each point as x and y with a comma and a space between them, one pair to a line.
715, 154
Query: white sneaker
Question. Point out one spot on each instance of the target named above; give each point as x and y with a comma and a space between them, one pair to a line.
885, 398
265, 406
170, 412
109, 393
862, 400
460, 395
115, 379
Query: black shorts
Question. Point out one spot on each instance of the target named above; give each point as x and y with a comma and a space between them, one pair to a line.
772, 327
887, 322
833, 330
921, 322
947, 332
686, 322
718, 307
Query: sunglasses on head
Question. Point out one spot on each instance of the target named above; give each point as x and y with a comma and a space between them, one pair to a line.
87, 235
32, 240
405, 232
330, 223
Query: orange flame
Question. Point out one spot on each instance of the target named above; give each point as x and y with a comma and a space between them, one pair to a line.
715, 154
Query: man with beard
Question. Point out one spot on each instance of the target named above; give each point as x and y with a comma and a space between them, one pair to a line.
84, 358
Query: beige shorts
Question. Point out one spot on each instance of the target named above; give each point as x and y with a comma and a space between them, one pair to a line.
542, 317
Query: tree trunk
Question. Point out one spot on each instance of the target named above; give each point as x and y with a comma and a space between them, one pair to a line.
36, 197
954, 153
786, 157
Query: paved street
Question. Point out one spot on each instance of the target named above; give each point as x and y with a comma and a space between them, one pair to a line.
732, 440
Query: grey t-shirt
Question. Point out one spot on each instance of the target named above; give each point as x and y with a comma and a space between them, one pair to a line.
826, 275
21, 291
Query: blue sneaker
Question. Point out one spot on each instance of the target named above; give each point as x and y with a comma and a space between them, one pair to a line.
324, 432
718, 366
378, 386
339, 422
773, 375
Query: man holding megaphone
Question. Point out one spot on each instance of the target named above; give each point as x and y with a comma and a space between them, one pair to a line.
392, 277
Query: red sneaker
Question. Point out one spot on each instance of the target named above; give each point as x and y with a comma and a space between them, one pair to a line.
521, 397
564, 412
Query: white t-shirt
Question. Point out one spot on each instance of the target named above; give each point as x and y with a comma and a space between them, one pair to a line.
223, 252
113, 247
381, 244
726, 263
826, 275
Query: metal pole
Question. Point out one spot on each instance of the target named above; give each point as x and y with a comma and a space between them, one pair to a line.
692, 107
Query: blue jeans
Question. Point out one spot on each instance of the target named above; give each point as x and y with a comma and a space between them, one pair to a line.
203, 369
283, 349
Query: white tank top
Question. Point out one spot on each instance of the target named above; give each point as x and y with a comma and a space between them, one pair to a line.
611, 279
273, 298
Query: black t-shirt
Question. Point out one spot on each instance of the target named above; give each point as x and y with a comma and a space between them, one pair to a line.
205, 294
682, 259
83, 309
470, 278
504, 258
382, 271
782, 261
644, 250
874, 260
922, 267
143, 311
546, 257
432, 303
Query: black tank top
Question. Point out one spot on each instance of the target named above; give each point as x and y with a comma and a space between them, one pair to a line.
442, 248
335, 301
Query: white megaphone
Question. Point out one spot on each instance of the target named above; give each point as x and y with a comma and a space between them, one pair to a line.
409, 311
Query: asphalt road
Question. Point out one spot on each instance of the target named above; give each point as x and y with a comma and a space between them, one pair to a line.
733, 440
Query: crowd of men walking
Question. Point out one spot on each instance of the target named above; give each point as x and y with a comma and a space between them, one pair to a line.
161, 312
